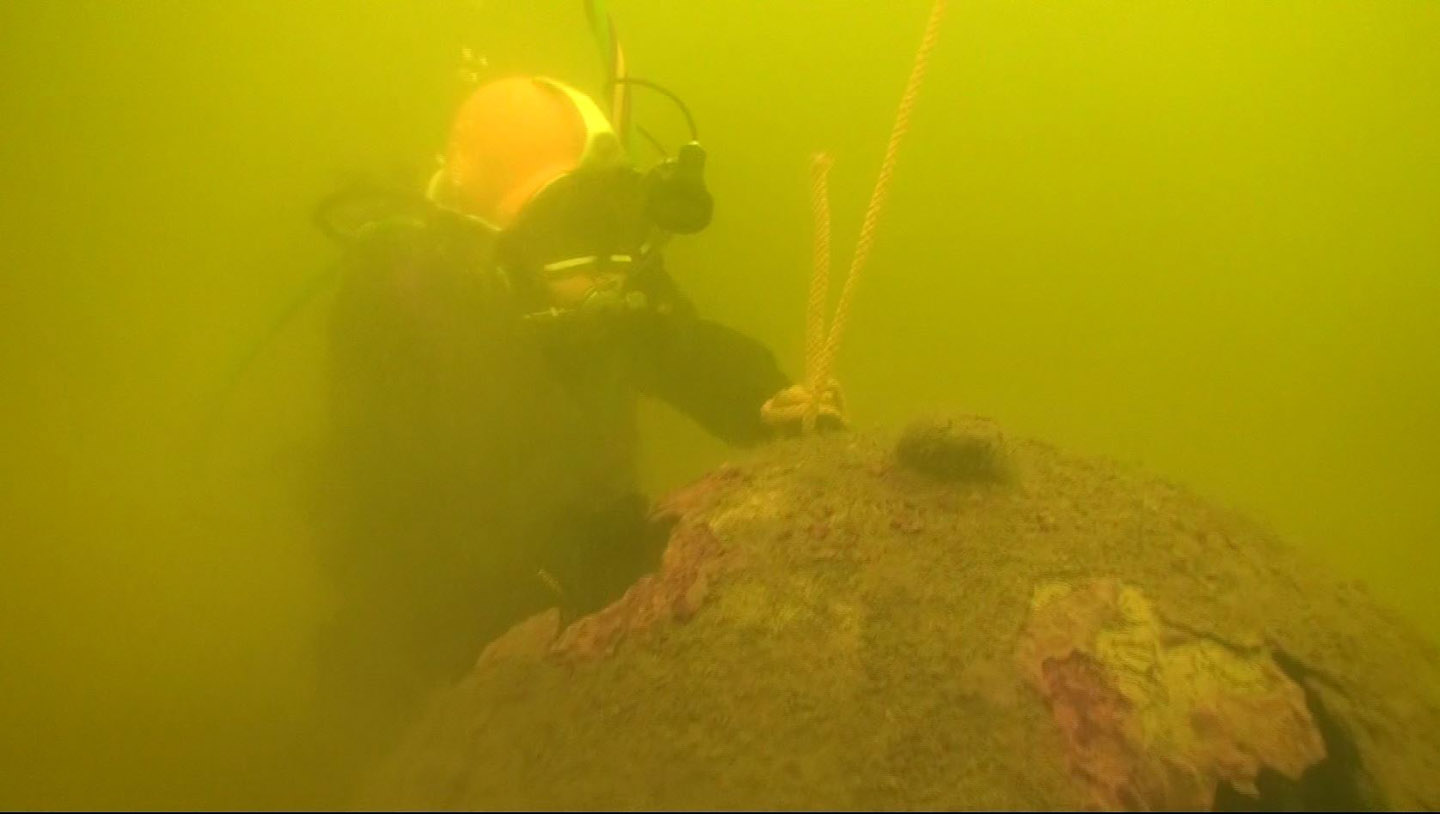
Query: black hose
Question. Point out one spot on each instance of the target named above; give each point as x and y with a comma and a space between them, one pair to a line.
689, 120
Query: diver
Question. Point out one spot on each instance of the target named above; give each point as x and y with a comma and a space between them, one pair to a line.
490, 338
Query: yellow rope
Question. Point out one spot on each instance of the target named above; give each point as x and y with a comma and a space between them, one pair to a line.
815, 339
820, 356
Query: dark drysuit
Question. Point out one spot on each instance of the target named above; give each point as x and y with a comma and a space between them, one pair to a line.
482, 459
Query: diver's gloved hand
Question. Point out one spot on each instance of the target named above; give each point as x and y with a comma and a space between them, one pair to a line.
786, 410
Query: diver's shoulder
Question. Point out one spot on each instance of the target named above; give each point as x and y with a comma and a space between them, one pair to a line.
395, 234
367, 220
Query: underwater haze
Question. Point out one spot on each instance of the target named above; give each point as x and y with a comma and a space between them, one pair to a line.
1200, 237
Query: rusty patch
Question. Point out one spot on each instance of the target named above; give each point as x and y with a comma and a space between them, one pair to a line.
529, 640
700, 495
1153, 717
693, 558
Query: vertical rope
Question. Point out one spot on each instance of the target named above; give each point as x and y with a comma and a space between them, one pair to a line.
878, 197
815, 339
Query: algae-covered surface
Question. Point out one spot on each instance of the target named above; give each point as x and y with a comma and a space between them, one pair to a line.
944, 617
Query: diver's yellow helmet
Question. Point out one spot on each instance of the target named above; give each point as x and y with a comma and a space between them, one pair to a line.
511, 138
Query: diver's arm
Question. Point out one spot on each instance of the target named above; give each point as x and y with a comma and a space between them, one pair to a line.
714, 374
717, 376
